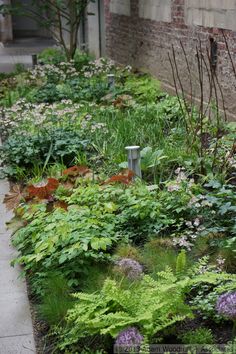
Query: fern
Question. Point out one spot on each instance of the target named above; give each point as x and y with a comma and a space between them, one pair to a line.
149, 305
181, 262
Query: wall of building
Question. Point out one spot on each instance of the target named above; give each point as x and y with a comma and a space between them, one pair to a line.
95, 29
5, 25
24, 26
142, 33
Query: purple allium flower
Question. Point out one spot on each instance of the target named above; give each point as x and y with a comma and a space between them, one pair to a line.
226, 305
131, 268
129, 337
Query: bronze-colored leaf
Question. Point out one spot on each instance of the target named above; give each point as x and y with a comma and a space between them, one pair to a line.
14, 197
75, 171
60, 204
44, 189
124, 177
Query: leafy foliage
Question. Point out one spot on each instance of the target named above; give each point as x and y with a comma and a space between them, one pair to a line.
199, 336
67, 239
181, 262
56, 300
182, 210
150, 305
27, 151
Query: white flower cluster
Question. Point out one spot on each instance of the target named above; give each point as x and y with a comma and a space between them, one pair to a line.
62, 71
99, 66
182, 242
23, 116
88, 124
180, 177
230, 159
199, 201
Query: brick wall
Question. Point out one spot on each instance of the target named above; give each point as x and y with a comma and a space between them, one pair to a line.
144, 42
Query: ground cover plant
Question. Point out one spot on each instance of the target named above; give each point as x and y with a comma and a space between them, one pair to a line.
113, 260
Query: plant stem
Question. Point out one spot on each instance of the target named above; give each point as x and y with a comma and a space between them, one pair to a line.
234, 330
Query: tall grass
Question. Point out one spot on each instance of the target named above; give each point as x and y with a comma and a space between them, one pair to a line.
143, 125
56, 300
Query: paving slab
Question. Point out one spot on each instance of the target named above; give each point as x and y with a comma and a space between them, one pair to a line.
5, 216
20, 52
17, 345
8, 63
8, 281
4, 188
15, 314
16, 329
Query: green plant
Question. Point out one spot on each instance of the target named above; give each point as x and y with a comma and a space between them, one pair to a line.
73, 88
51, 56
156, 257
94, 276
205, 296
144, 89
56, 300
69, 240
150, 161
181, 262
128, 251
150, 305
29, 150
228, 349
19, 68
199, 336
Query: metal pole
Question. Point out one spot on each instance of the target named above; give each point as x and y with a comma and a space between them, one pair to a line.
134, 160
34, 60
111, 81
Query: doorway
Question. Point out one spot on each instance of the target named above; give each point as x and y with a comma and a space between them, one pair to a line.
25, 27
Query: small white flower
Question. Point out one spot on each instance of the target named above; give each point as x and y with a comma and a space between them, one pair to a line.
189, 224
196, 222
173, 187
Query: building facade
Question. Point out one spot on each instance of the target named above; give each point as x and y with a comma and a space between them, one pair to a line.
144, 32
92, 30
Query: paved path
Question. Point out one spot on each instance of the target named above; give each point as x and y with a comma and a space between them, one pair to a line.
8, 62
20, 52
16, 330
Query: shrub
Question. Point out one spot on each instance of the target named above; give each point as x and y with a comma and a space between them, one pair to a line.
51, 56
67, 240
28, 150
198, 336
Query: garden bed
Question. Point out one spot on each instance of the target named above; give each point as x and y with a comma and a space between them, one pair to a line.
112, 259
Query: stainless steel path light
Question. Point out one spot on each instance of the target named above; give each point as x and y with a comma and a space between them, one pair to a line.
34, 60
111, 81
134, 160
